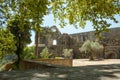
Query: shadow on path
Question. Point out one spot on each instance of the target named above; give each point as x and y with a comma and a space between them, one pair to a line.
96, 72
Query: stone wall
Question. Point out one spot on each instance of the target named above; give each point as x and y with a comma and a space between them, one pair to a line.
75, 41
29, 64
112, 52
45, 63
61, 62
110, 41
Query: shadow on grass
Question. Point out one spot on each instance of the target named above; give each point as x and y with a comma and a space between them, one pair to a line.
96, 72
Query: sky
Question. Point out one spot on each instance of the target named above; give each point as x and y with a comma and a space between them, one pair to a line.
49, 21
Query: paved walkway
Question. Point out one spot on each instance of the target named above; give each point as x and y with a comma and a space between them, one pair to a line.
86, 72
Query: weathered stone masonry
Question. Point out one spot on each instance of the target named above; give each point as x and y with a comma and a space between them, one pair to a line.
110, 41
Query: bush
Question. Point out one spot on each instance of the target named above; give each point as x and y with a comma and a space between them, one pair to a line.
28, 53
45, 53
67, 53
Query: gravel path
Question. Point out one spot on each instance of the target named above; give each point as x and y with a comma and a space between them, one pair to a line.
82, 70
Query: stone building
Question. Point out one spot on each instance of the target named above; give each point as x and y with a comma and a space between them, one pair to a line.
110, 41
56, 42
46, 38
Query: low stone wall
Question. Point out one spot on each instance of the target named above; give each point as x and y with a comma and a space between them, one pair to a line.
30, 64
44, 63
61, 62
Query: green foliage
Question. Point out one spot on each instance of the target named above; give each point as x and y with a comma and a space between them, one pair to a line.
90, 46
2, 63
45, 53
21, 32
78, 12
20, 28
28, 53
14, 25
7, 43
59, 58
67, 53
1, 67
26, 10
17, 14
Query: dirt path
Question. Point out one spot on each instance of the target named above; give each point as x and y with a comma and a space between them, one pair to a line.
86, 62
90, 70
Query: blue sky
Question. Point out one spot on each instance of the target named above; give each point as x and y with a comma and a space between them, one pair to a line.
49, 21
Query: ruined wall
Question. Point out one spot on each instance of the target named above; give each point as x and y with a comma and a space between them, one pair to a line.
110, 41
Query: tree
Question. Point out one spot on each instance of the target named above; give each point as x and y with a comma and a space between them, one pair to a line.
91, 47
7, 43
29, 10
78, 12
21, 34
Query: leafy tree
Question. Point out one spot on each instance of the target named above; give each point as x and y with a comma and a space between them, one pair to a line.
78, 12
90, 47
29, 10
7, 43
21, 34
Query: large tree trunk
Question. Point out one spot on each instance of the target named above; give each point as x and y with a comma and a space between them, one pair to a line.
18, 52
18, 60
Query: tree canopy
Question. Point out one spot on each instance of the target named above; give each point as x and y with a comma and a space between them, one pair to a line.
74, 12
14, 25
78, 12
25, 9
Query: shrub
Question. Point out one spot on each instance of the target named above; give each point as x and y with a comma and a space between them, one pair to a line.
45, 53
67, 53
28, 53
